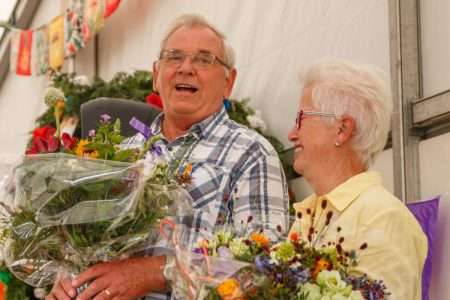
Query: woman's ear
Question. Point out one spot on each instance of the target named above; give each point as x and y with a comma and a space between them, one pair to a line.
346, 128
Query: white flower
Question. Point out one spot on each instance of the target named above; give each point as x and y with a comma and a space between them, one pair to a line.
238, 247
256, 121
81, 80
331, 282
53, 95
313, 291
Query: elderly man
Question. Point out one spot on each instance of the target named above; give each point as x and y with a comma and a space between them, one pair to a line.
236, 174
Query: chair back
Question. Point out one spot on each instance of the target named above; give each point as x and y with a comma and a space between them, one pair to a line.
122, 109
426, 213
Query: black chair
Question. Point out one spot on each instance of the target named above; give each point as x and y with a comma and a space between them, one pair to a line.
121, 109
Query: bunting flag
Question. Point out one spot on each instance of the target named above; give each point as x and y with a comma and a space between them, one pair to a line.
40, 50
14, 44
36, 51
24, 53
110, 7
73, 24
56, 42
93, 18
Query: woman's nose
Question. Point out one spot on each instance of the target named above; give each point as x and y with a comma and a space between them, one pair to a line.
292, 135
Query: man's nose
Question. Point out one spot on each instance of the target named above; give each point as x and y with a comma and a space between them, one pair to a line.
186, 65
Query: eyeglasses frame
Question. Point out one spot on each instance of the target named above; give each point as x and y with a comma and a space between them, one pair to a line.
215, 57
301, 113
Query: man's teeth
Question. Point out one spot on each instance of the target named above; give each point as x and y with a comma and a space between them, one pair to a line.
183, 86
298, 148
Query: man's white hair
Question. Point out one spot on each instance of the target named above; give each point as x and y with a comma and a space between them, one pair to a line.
192, 20
358, 91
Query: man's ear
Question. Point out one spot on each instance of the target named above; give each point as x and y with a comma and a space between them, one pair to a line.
229, 83
345, 130
155, 75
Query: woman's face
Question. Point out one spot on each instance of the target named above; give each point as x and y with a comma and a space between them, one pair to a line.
314, 142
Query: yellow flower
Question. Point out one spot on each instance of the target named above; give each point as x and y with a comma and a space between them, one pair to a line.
81, 150
228, 288
260, 239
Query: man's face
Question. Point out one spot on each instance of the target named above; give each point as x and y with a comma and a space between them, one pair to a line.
189, 92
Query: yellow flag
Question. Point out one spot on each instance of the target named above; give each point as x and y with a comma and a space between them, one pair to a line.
56, 42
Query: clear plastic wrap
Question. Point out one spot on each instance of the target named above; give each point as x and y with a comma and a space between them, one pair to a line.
66, 213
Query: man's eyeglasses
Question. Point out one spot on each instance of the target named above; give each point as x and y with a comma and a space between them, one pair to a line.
302, 113
200, 60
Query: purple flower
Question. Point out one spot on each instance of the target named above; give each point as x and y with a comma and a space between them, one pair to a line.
156, 150
92, 133
104, 118
263, 264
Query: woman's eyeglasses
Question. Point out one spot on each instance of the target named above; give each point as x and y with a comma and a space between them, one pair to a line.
302, 113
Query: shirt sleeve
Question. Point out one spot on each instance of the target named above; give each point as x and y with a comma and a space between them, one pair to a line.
260, 195
396, 253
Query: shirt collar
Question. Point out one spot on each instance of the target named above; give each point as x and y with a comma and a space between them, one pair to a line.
202, 129
344, 194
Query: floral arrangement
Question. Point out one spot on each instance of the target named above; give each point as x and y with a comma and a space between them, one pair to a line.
251, 266
66, 211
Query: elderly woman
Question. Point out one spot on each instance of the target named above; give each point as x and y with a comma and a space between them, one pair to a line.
342, 124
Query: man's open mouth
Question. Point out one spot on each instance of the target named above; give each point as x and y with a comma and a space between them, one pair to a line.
183, 87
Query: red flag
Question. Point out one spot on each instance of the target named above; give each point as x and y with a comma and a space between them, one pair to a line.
111, 6
24, 55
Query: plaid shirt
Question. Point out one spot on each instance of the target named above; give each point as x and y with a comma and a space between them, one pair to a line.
236, 174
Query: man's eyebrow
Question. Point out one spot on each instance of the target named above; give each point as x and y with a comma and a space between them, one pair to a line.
204, 51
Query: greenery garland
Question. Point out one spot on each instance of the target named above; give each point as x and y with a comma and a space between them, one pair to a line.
135, 86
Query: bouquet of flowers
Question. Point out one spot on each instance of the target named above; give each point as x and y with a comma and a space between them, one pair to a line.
65, 212
251, 266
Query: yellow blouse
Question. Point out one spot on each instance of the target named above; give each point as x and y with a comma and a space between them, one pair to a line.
365, 212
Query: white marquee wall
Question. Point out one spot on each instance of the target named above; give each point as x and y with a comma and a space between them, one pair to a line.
273, 40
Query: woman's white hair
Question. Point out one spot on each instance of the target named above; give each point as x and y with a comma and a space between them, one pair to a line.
358, 91
192, 20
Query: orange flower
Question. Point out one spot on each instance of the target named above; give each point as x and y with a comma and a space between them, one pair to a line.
230, 289
294, 237
321, 264
260, 239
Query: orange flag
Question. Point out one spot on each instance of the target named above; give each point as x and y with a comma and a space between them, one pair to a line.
56, 42
24, 53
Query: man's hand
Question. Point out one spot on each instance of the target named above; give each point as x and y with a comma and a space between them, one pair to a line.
125, 280
62, 290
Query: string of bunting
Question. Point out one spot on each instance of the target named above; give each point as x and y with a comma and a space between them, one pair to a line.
36, 51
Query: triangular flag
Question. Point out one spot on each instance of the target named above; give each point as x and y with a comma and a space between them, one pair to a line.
110, 7
93, 19
40, 51
56, 42
73, 33
24, 53
14, 41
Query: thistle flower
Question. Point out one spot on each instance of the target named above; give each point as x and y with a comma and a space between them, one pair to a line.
53, 96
